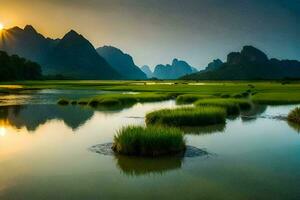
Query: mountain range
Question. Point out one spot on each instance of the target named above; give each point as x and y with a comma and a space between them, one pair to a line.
72, 56
121, 62
177, 69
249, 64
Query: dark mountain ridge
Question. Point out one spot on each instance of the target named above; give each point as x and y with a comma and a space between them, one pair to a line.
177, 69
122, 62
72, 56
250, 64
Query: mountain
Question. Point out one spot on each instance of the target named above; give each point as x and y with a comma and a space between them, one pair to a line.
177, 69
146, 69
250, 64
121, 62
15, 68
72, 56
215, 64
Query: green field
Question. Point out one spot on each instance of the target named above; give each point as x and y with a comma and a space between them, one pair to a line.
260, 91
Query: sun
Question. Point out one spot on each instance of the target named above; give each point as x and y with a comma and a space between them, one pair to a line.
1, 26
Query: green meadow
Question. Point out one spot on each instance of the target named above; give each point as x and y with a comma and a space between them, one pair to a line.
261, 92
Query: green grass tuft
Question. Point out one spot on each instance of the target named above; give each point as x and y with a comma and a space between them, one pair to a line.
190, 98
187, 116
150, 141
294, 116
127, 99
232, 108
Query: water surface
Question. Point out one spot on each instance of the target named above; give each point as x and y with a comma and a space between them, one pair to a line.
44, 155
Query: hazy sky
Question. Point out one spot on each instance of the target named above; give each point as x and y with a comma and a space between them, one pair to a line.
156, 31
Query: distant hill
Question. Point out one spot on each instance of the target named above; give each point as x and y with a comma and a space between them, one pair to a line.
121, 62
177, 69
72, 56
146, 69
15, 68
250, 64
215, 64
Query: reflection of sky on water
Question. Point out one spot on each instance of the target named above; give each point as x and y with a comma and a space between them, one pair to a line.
44, 148
45, 96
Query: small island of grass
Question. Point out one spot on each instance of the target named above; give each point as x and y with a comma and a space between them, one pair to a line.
294, 116
232, 106
149, 141
190, 98
188, 116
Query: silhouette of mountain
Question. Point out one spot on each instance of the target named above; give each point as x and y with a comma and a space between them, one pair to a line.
250, 64
146, 69
215, 64
72, 56
121, 62
177, 69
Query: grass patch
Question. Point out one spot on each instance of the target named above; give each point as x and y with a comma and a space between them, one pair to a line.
294, 116
190, 98
276, 98
63, 102
127, 99
232, 108
150, 141
204, 130
187, 116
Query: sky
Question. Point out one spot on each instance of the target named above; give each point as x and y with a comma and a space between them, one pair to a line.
156, 31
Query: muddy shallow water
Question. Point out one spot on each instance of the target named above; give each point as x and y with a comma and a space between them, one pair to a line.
44, 154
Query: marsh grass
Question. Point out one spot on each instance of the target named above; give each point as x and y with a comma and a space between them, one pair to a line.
294, 116
204, 130
232, 106
150, 141
276, 98
190, 98
192, 116
127, 99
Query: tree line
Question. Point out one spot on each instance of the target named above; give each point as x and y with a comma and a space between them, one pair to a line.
16, 68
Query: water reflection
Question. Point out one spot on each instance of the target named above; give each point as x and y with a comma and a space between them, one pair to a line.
253, 113
45, 96
32, 116
294, 126
136, 166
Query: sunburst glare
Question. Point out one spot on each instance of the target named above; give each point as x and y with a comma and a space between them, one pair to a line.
2, 131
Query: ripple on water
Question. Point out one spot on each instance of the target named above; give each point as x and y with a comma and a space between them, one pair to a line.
106, 149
